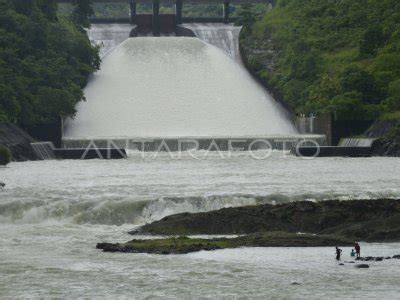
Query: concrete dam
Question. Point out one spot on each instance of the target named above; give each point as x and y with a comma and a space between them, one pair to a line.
154, 88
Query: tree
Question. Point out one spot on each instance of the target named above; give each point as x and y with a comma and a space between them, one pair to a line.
49, 8
316, 51
81, 13
393, 101
45, 62
358, 80
246, 16
348, 106
373, 39
5, 156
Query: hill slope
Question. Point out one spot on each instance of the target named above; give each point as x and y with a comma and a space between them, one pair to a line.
44, 61
338, 56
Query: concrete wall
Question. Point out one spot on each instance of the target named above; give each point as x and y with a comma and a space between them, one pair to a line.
334, 130
348, 128
167, 23
46, 132
144, 23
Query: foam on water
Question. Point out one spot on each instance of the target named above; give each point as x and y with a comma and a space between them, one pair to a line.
174, 87
145, 188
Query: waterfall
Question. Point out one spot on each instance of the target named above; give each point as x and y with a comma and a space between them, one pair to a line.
223, 36
43, 150
174, 87
356, 142
109, 36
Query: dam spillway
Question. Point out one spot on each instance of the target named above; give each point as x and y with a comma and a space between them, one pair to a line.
175, 87
109, 36
223, 36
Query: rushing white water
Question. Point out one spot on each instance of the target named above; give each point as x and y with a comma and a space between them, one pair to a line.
223, 36
137, 190
109, 36
52, 214
174, 87
43, 150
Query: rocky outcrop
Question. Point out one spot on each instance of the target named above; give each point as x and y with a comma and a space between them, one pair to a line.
372, 258
386, 147
388, 142
367, 220
17, 141
184, 245
362, 266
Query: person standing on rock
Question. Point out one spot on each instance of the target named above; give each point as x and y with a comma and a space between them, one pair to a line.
358, 249
338, 253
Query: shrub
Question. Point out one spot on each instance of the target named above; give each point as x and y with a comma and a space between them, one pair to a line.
5, 156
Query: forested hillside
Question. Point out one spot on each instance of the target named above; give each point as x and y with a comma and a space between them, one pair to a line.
338, 56
45, 60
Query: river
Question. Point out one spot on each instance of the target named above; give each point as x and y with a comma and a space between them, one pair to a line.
52, 214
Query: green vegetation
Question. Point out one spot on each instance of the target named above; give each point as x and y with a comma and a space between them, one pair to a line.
248, 14
5, 156
45, 61
184, 244
82, 11
337, 56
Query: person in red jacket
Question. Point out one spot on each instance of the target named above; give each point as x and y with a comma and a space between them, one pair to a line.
358, 249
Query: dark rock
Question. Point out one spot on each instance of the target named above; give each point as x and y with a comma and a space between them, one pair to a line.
341, 264
386, 147
367, 220
184, 245
362, 266
396, 256
17, 141
388, 142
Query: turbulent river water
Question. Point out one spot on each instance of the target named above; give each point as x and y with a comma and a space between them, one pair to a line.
52, 214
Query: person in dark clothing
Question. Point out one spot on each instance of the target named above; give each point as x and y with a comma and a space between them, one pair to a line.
338, 253
358, 249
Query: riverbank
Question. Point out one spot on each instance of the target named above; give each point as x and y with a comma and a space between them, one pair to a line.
366, 220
